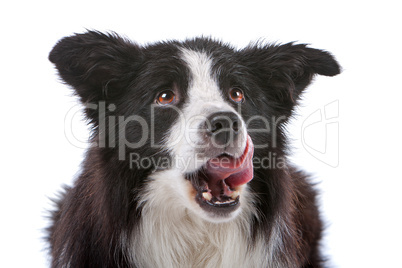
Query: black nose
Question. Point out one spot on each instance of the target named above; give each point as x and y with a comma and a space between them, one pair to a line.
223, 127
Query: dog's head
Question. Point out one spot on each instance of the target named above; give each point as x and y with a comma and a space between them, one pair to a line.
196, 114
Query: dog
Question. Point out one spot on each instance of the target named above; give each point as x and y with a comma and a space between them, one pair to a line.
188, 159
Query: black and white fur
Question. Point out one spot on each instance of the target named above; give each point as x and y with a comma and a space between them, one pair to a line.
121, 215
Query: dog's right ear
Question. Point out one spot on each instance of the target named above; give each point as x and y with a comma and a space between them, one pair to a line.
98, 66
286, 70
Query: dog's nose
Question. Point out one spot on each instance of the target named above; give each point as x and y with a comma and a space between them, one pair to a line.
223, 128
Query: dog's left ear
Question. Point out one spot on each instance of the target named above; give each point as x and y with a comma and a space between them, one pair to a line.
286, 70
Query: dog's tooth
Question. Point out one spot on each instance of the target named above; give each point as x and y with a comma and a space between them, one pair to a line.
235, 194
207, 196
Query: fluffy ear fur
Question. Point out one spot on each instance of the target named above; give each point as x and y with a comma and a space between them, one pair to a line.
285, 70
99, 66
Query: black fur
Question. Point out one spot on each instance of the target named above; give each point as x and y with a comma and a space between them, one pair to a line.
105, 69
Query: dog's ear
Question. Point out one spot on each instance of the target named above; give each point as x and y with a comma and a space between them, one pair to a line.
286, 70
98, 66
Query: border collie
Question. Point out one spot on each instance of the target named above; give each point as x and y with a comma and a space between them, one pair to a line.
187, 165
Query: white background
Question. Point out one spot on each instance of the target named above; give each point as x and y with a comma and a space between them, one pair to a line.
360, 198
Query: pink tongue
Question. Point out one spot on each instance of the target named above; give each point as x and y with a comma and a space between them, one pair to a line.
235, 172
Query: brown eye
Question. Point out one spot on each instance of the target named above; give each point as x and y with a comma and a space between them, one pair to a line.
236, 94
166, 97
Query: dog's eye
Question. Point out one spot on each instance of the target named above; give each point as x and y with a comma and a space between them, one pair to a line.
236, 95
166, 97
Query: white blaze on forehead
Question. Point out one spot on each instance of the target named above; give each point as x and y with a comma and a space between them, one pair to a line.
203, 85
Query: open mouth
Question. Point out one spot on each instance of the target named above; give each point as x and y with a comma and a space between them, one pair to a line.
218, 183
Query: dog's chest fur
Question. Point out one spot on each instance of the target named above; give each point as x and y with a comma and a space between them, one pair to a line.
176, 239
170, 235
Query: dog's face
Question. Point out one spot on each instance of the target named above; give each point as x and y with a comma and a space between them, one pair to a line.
204, 107
211, 149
